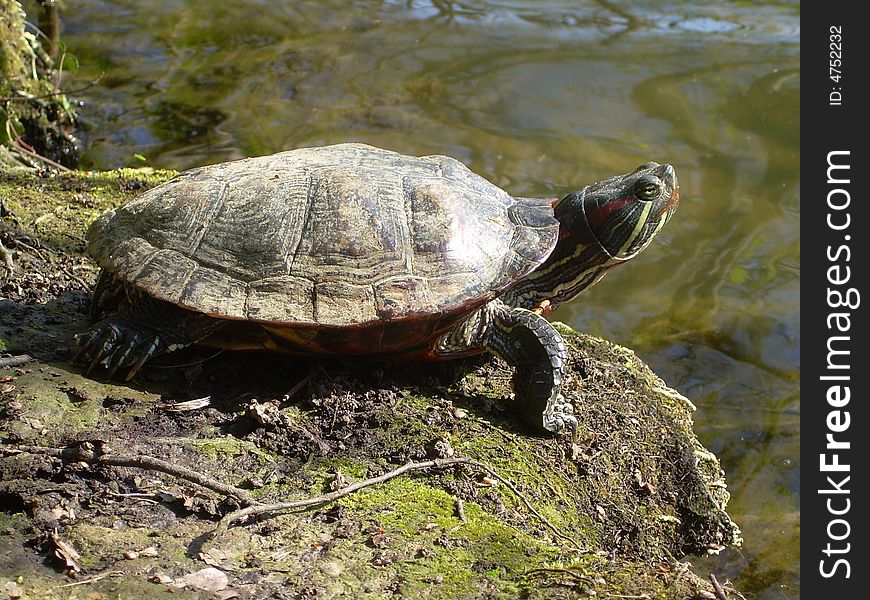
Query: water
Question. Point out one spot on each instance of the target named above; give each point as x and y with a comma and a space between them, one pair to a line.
540, 97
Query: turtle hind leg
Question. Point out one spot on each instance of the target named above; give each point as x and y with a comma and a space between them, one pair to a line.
142, 329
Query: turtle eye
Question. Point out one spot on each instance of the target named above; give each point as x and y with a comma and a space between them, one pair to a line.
647, 190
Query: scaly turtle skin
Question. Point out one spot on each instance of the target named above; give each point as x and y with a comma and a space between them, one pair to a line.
354, 250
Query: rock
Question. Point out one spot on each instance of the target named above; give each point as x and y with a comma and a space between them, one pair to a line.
631, 492
209, 579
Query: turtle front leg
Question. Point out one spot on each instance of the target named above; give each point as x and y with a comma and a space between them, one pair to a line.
142, 329
528, 342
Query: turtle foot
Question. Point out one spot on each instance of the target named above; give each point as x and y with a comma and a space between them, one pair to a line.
559, 415
117, 344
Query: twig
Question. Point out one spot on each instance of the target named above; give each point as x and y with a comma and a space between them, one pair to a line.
75, 277
93, 579
529, 506
20, 148
88, 452
15, 361
298, 386
141, 496
717, 587
259, 509
192, 363
439, 463
34, 249
187, 405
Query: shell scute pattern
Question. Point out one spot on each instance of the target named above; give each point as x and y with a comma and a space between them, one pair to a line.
339, 235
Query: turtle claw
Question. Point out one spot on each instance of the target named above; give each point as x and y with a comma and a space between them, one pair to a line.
117, 344
92, 364
89, 342
111, 373
81, 352
143, 357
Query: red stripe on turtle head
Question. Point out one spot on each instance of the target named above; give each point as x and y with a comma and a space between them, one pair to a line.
596, 215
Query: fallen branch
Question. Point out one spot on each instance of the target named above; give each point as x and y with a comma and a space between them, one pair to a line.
96, 453
439, 463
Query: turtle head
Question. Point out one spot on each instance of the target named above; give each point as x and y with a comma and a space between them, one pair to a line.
625, 212
600, 226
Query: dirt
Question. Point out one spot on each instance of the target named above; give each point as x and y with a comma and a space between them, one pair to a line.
634, 492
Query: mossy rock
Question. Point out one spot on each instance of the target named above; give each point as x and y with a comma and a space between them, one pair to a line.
617, 505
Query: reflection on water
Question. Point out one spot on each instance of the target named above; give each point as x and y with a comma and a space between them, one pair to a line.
541, 97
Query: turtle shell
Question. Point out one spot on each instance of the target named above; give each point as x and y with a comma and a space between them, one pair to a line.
335, 236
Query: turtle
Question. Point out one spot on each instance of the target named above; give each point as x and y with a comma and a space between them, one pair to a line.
353, 250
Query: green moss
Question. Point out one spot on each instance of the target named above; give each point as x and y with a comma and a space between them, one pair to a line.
100, 544
58, 209
56, 403
224, 448
13, 520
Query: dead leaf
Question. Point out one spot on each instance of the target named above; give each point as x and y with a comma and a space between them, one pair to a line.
77, 392
66, 553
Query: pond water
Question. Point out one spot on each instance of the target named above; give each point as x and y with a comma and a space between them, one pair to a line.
540, 97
